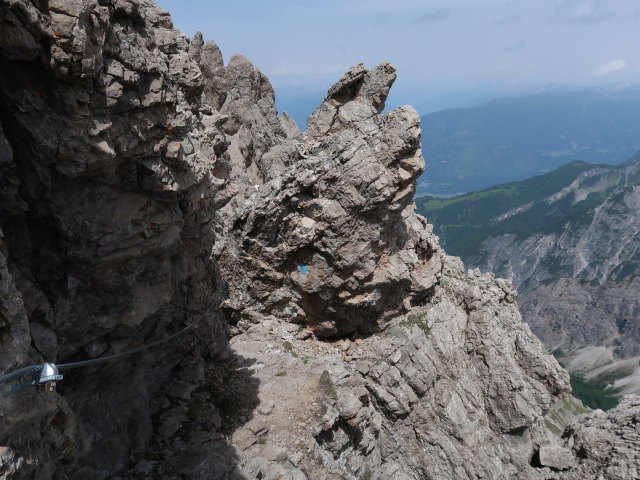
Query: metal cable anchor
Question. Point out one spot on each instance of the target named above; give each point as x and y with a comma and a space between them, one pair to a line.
49, 376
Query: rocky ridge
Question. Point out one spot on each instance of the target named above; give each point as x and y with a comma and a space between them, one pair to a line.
606, 443
148, 185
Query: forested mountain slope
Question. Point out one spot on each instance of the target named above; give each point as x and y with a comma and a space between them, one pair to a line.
569, 239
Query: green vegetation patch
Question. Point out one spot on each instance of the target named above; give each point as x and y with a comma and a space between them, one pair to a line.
327, 386
555, 430
419, 321
598, 392
289, 348
366, 475
559, 418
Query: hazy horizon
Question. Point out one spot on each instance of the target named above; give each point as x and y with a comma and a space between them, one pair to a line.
443, 50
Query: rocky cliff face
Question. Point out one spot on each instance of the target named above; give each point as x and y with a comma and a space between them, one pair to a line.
606, 444
292, 200
147, 186
107, 225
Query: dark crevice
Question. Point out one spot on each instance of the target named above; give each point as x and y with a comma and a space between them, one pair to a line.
519, 431
535, 460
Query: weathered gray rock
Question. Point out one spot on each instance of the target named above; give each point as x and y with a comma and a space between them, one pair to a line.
455, 389
273, 453
332, 243
286, 243
607, 444
555, 457
357, 95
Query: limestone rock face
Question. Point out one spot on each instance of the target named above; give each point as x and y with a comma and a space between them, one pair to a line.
106, 159
555, 457
454, 390
608, 442
319, 228
605, 444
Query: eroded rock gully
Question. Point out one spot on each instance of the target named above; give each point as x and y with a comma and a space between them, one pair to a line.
146, 186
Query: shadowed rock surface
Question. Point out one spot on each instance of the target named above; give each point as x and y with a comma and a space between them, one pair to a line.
106, 155
149, 186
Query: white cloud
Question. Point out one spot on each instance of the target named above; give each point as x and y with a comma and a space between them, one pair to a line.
611, 67
582, 12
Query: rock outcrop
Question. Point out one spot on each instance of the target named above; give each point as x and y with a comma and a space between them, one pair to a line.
147, 186
455, 389
605, 444
601, 445
319, 229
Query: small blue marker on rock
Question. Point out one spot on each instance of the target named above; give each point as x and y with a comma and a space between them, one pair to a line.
303, 269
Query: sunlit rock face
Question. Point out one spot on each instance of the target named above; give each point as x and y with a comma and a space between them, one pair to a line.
572, 255
319, 228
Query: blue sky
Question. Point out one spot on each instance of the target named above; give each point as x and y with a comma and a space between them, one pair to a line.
437, 46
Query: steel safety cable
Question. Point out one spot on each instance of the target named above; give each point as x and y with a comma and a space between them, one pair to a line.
67, 366
19, 373
49, 371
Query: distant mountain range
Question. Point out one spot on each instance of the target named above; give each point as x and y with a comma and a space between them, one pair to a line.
569, 240
513, 138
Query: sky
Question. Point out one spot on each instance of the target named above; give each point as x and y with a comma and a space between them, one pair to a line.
438, 47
